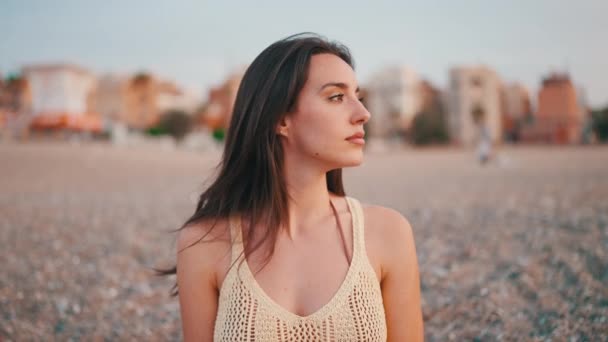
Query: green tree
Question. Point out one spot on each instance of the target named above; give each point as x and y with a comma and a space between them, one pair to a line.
219, 134
430, 127
176, 123
600, 123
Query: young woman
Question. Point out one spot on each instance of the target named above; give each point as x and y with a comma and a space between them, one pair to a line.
275, 250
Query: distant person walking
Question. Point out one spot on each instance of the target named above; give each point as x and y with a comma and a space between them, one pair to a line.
484, 145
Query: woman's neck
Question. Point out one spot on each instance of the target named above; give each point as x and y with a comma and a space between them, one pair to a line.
308, 197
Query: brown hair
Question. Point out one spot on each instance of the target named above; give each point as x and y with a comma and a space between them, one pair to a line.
250, 181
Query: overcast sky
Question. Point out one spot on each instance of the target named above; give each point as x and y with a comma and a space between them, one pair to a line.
197, 43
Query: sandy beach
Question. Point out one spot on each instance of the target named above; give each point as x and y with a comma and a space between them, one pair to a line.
514, 250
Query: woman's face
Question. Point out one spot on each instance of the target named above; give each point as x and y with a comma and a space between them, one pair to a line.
327, 123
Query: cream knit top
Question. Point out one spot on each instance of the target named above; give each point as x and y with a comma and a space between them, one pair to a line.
355, 312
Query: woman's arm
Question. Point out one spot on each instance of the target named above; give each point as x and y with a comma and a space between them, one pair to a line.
197, 267
400, 280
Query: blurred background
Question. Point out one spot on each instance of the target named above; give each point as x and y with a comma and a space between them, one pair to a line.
488, 131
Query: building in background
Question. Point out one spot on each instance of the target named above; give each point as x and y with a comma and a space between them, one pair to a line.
63, 98
15, 95
112, 93
142, 94
15, 105
516, 110
173, 97
138, 101
559, 117
393, 99
220, 103
474, 104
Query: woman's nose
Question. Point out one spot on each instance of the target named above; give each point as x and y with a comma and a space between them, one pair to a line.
361, 114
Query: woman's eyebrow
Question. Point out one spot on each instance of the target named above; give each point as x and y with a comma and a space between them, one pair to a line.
341, 85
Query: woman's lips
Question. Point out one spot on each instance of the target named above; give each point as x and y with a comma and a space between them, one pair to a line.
357, 138
358, 141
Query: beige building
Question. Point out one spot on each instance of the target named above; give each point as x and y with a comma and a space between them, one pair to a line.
112, 92
220, 104
63, 96
393, 100
172, 97
131, 100
138, 101
60, 89
15, 104
516, 99
15, 95
142, 101
474, 103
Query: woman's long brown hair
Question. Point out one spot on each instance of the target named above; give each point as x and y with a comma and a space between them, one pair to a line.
250, 181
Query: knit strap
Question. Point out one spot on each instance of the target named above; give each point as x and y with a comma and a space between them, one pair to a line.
358, 227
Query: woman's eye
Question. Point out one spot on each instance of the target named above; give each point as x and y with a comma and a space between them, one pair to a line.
336, 98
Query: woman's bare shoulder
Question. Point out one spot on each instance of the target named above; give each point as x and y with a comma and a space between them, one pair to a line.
399, 275
385, 221
203, 248
388, 236
207, 231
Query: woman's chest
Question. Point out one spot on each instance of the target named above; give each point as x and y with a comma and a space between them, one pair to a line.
301, 279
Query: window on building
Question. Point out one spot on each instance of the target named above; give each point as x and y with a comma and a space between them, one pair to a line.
478, 114
476, 81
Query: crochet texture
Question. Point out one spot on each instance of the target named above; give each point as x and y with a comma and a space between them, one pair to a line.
355, 312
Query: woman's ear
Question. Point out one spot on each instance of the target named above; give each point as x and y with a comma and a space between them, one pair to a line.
283, 126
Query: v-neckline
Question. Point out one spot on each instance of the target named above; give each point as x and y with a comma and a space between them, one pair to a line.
337, 296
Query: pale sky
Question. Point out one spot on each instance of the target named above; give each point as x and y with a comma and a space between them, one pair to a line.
197, 43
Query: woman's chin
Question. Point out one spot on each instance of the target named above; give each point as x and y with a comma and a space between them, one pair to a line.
351, 162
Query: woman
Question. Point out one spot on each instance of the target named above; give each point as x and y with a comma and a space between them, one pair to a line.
275, 250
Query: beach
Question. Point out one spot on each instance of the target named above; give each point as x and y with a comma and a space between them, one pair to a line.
516, 249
